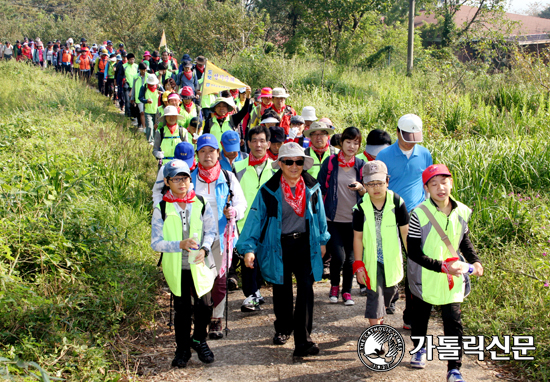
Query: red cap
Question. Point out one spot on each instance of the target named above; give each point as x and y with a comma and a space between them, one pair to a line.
434, 170
186, 91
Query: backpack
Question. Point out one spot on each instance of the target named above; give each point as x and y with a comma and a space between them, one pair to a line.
180, 129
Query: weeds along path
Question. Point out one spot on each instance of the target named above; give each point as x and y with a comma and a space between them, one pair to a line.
248, 353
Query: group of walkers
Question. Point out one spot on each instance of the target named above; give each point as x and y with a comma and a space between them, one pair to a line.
245, 182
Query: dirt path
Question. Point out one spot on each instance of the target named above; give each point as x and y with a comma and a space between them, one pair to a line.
248, 353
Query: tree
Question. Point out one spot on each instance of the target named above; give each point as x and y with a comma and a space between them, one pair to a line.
545, 13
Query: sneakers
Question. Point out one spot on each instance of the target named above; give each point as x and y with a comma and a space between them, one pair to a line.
258, 296
347, 299
391, 309
181, 359
232, 284
362, 290
309, 349
333, 296
203, 351
215, 332
407, 326
418, 359
280, 338
454, 376
250, 304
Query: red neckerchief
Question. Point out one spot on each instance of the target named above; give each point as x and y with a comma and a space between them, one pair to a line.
172, 128
200, 69
271, 155
278, 111
188, 108
297, 202
194, 164
170, 198
188, 75
319, 151
264, 108
210, 175
342, 162
152, 88
221, 118
253, 161
234, 93
368, 156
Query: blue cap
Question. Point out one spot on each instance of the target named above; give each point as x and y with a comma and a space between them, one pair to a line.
231, 141
207, 140
174, 167
185, 152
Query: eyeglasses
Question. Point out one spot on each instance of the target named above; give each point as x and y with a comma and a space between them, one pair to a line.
375, 185
290, 162
179, 180
321, 134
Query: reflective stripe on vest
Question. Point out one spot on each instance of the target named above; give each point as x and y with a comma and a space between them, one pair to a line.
172, 230
169, 143
151, 108
391, 245
217, 131
433, 287
251, 183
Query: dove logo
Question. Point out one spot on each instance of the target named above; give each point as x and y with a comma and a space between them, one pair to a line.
381, 348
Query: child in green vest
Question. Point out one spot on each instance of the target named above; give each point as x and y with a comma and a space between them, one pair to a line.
438, 234
380, 220
176, 220
149, 96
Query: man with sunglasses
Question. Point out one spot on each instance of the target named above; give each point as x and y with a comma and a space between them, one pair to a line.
286, 230
406, 161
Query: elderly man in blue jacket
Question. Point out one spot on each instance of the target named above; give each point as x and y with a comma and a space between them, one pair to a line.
286, 230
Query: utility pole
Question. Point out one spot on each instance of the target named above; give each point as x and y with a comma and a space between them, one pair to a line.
410, 45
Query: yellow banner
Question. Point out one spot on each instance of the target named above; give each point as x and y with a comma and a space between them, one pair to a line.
162, 40
216, 80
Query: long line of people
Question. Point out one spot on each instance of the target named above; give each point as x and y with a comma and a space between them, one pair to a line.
243, 170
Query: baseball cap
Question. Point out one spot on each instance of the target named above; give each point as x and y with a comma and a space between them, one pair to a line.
434, 170
277, 134
297, 119
207, 140
231, 141
185, 151
411, 128
377, 140
174, 167
374, 170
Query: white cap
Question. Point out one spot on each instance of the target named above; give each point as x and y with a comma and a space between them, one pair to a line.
308, 113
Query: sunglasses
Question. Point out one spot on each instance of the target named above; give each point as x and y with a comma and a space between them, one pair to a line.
290, 162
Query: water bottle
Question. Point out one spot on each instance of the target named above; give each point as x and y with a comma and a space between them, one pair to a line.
193, 253
467, 268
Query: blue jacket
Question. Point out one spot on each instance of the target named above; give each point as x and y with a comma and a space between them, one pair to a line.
330, 193
262, 231
225, 162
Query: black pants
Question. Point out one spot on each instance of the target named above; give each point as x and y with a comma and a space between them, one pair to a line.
452, 324
297, 261
100, 83
341, 249
110, 87
202, 309
120, 93
251, 278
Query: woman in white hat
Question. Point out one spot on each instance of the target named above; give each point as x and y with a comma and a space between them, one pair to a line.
280, 107
149, 96
169, 134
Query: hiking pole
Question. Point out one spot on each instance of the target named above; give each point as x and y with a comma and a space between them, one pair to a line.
226, 249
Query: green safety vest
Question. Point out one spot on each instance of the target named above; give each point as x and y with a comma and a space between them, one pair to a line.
151, 108
251, 183
130, 73
169, 143
391, 245
188, 116
172, 230
362, 156
111, 71
207, 100
314, 170
430, 286
139, 85
218, 131
160, 110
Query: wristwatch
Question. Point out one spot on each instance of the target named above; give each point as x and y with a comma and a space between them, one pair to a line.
206, 251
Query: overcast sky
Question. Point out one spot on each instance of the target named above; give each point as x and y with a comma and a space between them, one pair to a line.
521, 6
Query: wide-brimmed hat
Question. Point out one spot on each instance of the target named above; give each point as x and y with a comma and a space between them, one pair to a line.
411, 128
292, 149
152, 80
308, 113
280, 93
318, 126
269, 120
266, 93
170, 111
200, 60
146, 54
229, 101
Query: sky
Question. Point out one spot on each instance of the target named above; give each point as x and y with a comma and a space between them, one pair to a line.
521, 6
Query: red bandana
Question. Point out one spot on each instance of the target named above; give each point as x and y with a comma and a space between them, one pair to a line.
221, 118
271, 155
172, 128
264, 108
296, 202
188, 75
170, 198
188, 108
278, 111
210, 175
253, 161
200, 69
368, 156
319, 151
234, 93
342, 162
152, 88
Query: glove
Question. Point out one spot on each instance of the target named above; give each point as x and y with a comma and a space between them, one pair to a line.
159, 155
293, 133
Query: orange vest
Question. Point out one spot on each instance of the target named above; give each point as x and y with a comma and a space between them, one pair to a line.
101, 65
84, 62
67, 56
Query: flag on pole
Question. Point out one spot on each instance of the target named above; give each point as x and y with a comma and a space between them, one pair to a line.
216, 80
163, 40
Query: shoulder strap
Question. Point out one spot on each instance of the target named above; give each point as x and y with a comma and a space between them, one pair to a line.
330, 167
439, 230
161, 132
201, 199
396, 200
162, 206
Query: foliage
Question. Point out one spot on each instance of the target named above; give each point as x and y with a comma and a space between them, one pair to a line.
76, 269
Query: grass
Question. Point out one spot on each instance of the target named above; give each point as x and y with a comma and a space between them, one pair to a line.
76, 269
